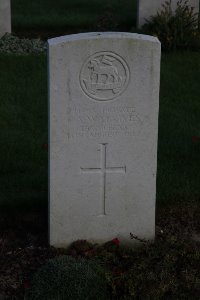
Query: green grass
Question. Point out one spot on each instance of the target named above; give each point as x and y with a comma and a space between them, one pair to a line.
178, 155
50, 14
23, 122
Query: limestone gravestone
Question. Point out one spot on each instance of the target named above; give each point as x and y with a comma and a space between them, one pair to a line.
147, 8
5, 17
103, 113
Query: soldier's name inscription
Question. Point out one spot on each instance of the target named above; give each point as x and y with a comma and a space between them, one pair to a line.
106, 122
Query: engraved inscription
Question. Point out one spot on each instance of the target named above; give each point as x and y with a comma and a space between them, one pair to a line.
104, 76
103, 170
103, 122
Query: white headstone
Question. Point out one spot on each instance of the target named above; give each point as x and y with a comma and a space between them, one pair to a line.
5, 17
103, 112
147, 8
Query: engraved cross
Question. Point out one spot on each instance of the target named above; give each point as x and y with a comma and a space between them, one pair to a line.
103, 170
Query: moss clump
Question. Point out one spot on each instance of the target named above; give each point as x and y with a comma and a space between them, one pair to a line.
65, 277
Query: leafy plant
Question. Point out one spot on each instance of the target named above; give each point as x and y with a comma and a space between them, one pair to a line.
176, 29
65, 277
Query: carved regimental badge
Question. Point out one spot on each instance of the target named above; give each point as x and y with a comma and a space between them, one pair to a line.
104, 76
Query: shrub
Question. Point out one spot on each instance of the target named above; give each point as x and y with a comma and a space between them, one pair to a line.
12, 44
175, 30
65, 277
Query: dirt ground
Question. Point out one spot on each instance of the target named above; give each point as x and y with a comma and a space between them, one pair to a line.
24, 243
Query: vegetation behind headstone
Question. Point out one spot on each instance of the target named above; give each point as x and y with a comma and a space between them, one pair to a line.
11, 44
175, 29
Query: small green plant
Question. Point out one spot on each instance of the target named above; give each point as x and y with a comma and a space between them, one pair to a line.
65, 277
176, 29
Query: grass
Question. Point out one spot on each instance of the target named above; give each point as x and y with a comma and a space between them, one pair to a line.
73, 14
179, 123
23, 121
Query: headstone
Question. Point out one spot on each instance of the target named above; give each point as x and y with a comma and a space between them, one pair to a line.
5, 17
103, 112
147, 8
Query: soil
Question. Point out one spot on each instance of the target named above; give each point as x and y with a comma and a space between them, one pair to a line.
24, 243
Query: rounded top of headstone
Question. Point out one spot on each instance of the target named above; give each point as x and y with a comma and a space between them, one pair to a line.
98, 35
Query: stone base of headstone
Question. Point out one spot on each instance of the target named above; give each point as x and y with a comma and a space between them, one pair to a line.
5, 17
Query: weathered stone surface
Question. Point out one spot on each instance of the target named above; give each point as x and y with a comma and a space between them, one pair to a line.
5, 17
147, 8
103, 112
